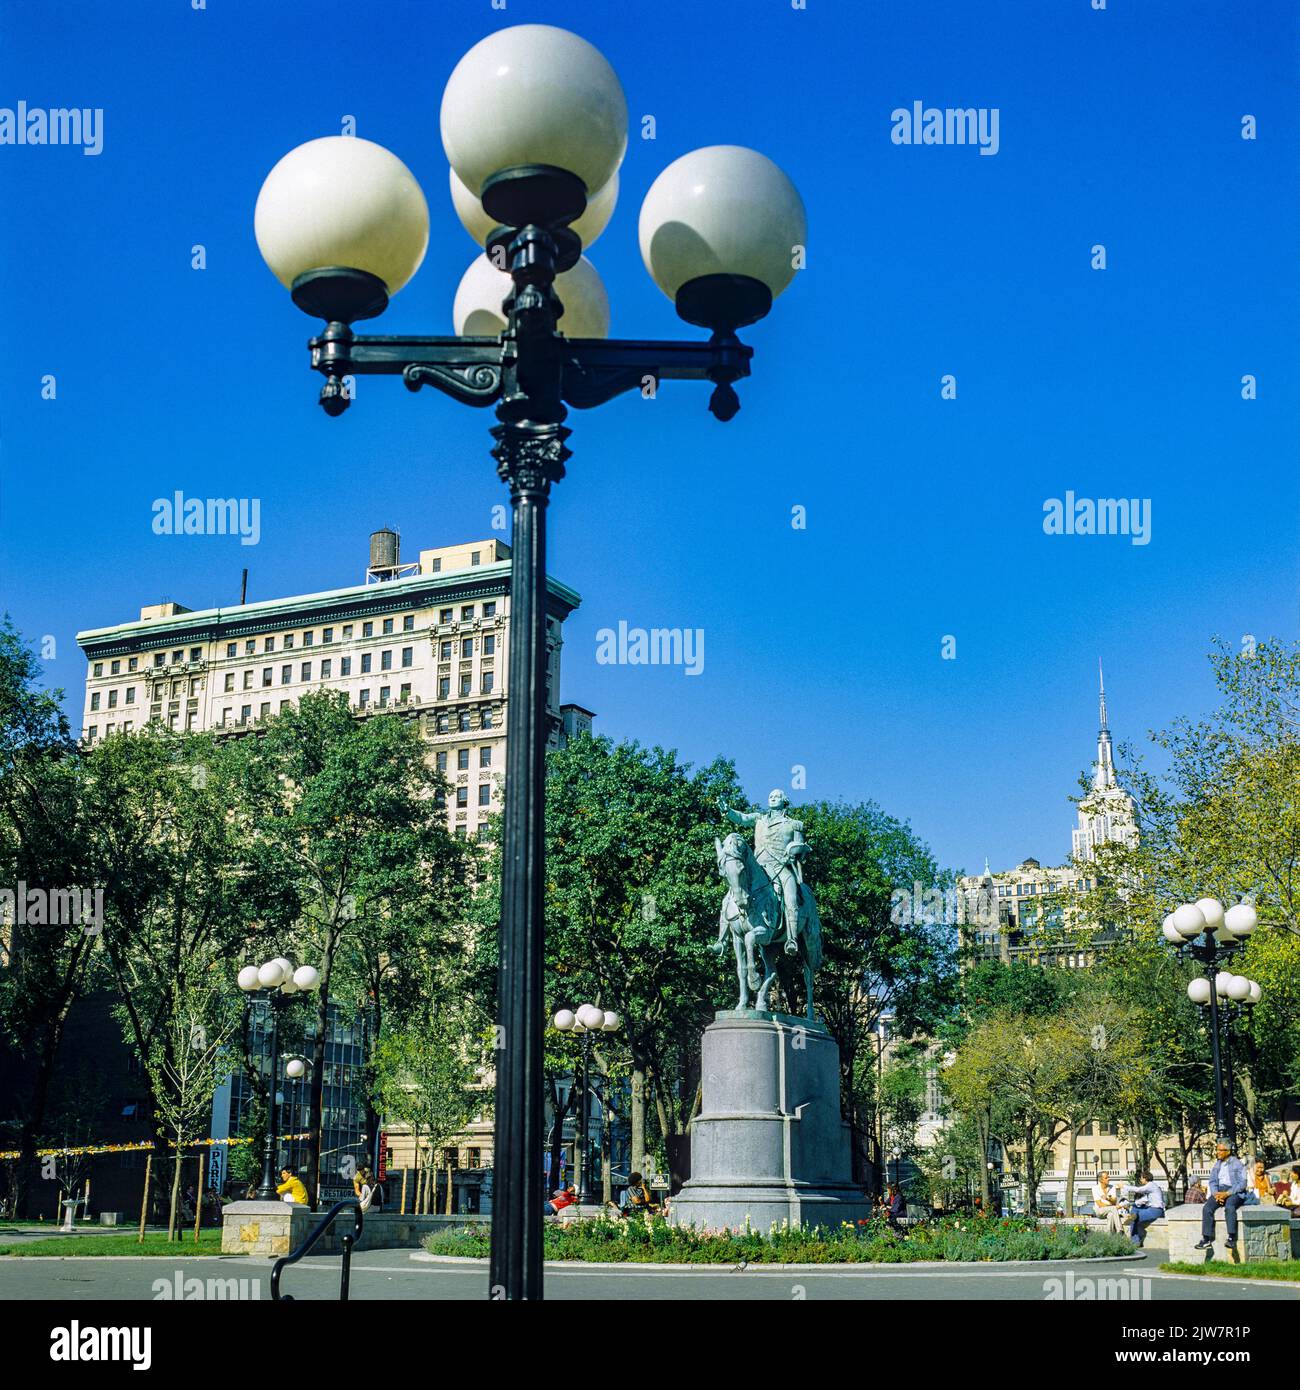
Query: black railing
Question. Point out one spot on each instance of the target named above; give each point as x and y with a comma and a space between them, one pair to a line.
349, 1239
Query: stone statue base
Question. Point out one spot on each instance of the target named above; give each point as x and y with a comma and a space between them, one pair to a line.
769, 1146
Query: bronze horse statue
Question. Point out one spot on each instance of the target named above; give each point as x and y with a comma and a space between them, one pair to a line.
751, 912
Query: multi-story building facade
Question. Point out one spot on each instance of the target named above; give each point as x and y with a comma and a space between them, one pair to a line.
1031, 899
427, 640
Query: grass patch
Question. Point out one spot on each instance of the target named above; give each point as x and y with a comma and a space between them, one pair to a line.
651, 1240
153, 1244
1287, 1271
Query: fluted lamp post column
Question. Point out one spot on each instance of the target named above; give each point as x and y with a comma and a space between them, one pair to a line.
276, 981
534, 127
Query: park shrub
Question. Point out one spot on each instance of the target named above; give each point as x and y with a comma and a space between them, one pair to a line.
651, 1240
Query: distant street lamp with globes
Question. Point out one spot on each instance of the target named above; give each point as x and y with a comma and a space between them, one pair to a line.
583, 1022
276, 981
1204, 931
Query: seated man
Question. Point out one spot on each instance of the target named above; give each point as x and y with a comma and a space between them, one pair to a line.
636, 1196
1148, 1205
1106, 1204
1227, 1189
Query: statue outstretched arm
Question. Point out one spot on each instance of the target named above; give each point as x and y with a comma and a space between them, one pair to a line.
737, 817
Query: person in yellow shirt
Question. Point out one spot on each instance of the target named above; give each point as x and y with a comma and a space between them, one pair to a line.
291, 1188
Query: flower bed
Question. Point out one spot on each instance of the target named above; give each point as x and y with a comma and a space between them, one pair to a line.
651, 1240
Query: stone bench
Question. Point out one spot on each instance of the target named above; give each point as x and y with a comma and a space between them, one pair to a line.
276, 1228
1263, 1233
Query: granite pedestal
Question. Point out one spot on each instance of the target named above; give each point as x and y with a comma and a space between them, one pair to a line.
769, 1145
263, 1228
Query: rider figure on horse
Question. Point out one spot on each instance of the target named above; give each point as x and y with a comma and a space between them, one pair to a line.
779, 846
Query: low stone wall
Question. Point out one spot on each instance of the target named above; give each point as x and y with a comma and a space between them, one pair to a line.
276, 1228
1263, 1233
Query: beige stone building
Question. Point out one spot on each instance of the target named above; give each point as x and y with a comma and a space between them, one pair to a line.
427, 640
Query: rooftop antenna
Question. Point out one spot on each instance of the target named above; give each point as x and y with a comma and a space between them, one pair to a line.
243, 589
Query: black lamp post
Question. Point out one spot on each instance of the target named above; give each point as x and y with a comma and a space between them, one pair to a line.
277, 982
534, 125
1211, 936
585, 1021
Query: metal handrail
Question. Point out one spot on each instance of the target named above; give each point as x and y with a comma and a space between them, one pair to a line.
349, 1239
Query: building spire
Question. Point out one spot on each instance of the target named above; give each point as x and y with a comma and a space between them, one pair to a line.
1105, 774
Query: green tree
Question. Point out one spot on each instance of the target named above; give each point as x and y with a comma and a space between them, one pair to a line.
43, 968
347, 813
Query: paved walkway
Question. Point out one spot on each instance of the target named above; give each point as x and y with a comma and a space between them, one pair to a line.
392, 1274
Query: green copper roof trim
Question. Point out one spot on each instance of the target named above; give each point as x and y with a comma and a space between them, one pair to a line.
410, 589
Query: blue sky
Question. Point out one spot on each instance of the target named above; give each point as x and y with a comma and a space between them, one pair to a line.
823, 646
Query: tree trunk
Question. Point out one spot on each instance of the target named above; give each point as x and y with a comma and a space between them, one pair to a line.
637, 1117
1070, 1168
176, 1187
1031, 1184
982, 1128
317, 1093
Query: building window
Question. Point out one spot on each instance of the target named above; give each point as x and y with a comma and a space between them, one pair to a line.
445, 615
462, 759
444, 724
269, 644
264, 711
487, 682
307, 638
94, 699
466, 647
364, 698
437, 564
286, 675
114, 668
231, 649
248, 681
306, 671
408, 623
462, 796
388, 626
112, 699
484, 793
386, 659
367, 629
196, 653
326, 668
442, 761
486, 721
268, 675
178, 656
384, 691
490, 610
408, 656
365, 663
347, 632
444, 651
345, 666
327, 635
132, 664
466, 612
462, 722
93, 731
130, 694
288, 641
444, 687
464, 685
245, 712
485, 756
490, 644
405, 693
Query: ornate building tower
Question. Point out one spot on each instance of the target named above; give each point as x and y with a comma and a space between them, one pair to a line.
1106, 813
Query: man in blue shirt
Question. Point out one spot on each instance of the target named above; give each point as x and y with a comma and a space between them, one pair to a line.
1148, 1205
1227, 1189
